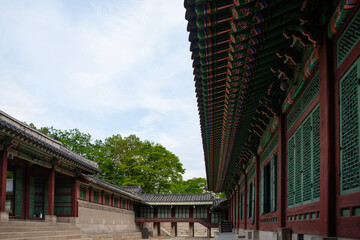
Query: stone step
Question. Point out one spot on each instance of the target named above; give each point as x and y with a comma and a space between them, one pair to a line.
64, 237
10, 235
37, 228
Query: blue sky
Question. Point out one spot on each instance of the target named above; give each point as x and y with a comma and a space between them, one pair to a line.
105, 67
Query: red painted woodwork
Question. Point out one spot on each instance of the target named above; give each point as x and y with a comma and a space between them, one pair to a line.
51, 192
238, 208
269, 226
257, 191
3, 174
155, 212
245, 200
191, 210
75, 195
282, 172
327, 143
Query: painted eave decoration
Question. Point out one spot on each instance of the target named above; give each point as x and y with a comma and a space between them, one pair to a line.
251, 58
30, 145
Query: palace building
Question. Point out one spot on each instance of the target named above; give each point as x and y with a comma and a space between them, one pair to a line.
278, 94
49, 192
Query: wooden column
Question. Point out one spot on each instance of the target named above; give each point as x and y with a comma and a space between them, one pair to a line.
327, 142
75, 195
155, 212
3, 174
257, 191
51, 192
282, 170
173, 212
238, 210
245, 200
191, 211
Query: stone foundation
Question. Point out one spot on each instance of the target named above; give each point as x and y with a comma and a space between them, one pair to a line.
96, 218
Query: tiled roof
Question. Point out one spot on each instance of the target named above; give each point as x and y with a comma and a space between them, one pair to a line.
218, 202
135, 190
111, 187
167, 198
22, 129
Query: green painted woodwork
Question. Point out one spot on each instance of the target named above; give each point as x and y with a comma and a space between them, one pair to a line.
309, 94
251, 201
116, 200
268, 186
82, 191
32, 196
251, 173
181, 212
130, 205
348, 39
217, 217
164, 212
269, 149
200, 212
146, 212
18, 192
107, 198
304, 161
356, 211
96, 195
345, 212
123, 203
63, 196
273, 183
350, 130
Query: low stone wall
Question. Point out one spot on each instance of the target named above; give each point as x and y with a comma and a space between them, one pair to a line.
97, 218
117, 236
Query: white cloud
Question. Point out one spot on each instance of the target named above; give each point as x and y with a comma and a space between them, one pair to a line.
104, 67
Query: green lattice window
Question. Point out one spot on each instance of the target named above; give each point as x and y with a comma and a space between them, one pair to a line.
268, 186
130, 205
96, 195
350, 130
251, 201
304, 161
116, 202
200, 212
182, 212
309, 94
218, 217
164, 212
269, 149
63, 196
349, 38
146, 212
82, 191
123, 203
18, 190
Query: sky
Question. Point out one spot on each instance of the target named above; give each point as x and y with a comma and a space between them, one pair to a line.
105, 67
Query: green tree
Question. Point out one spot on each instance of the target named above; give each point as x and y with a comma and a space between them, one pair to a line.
193, 185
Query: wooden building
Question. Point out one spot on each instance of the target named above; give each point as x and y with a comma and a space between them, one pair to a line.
278, 93
203, 208
42, 180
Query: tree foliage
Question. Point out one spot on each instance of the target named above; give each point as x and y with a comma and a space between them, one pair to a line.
126, 161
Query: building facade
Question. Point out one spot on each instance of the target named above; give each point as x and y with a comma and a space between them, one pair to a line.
277, 86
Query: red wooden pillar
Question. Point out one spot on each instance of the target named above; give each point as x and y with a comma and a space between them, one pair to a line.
238, 210
75, 195
327, 142
257, 192
3, 174
155, 212
51, 192
173, 212
245, 200
282, 170
191, 211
